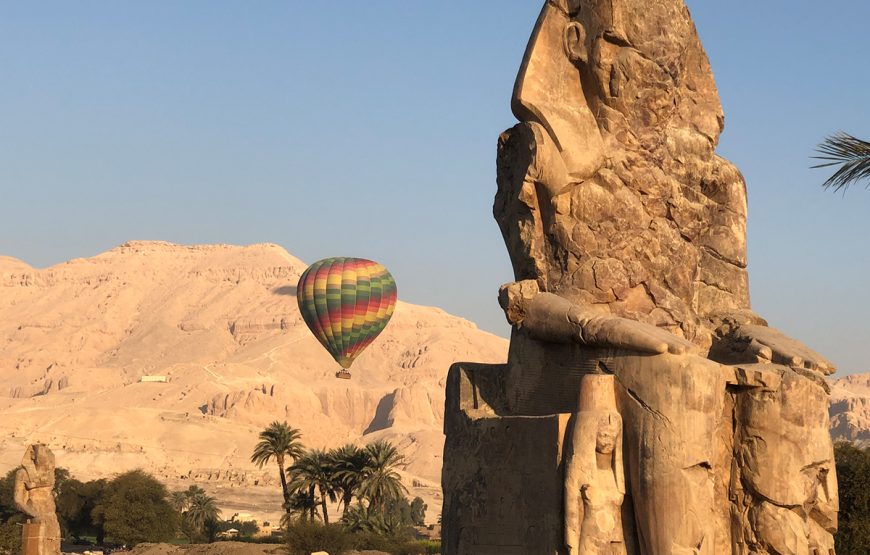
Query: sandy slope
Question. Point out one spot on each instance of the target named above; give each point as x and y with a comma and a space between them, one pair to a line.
221, 322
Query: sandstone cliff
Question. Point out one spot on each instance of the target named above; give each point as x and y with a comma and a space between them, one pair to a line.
221, 324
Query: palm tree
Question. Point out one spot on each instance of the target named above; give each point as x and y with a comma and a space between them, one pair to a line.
302, 507
201, 510
380, 480
848, 152
179, 500
279, 440
367, 519
314, 470
349, 463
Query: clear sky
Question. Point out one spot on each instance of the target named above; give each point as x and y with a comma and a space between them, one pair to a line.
368, 128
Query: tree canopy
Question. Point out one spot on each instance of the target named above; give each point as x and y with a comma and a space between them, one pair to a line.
853, 475
135, 508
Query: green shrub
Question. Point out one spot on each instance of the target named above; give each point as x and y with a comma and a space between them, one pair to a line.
853, 475
304, 538
10, 538
417, 547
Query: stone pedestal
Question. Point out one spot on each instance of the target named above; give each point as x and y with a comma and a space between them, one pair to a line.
32, 535
502, 476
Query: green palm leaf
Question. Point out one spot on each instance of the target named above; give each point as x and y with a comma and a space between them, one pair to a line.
851, 154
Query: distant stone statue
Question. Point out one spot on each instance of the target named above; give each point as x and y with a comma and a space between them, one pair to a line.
594, 477
627, 236
34, 496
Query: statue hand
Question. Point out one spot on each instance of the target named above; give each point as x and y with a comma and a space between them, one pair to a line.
771, 345
622, 333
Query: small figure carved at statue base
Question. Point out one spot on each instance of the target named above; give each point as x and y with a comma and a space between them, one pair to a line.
594, 476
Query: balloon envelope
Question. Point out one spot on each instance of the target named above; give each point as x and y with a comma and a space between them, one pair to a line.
346, 303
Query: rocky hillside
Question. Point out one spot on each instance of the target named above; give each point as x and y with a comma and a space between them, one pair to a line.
79, 342
850, 408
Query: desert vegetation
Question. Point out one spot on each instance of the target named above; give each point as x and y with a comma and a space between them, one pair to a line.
853, 475
361, 484
134, 507
364, 484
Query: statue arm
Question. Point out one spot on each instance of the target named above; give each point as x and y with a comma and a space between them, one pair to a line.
549, 317
19, 494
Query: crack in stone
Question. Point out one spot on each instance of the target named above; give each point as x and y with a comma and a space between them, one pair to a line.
648, 408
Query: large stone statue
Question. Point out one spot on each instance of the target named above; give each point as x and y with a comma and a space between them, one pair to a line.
34, 496
627, 237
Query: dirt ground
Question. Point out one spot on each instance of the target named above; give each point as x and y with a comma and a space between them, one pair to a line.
217, 548
221, 548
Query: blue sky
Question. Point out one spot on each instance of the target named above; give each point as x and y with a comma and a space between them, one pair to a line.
369, 129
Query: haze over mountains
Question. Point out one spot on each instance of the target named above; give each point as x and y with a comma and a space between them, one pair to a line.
221, 323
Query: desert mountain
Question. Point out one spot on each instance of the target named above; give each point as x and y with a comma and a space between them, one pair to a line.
850, 408
80, 341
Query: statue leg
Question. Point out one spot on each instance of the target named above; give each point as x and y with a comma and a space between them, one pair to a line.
672, 408
51, 529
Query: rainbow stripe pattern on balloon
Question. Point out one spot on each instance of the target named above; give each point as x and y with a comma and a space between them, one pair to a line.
346, 303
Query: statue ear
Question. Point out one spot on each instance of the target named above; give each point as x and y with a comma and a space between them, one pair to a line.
575, 43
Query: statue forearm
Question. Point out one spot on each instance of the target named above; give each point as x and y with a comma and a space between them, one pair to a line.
551, 318
20, 495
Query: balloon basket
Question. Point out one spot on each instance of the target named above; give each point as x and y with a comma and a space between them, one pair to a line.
343, 374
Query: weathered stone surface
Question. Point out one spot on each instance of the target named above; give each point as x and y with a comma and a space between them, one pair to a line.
503, 471
627, 237
34, 496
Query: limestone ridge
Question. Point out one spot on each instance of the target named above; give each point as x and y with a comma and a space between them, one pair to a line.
220, 324
850, 409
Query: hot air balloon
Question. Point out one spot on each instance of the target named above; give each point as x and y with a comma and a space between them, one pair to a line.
346, 303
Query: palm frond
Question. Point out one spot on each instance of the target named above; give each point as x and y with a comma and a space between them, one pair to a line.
851, 154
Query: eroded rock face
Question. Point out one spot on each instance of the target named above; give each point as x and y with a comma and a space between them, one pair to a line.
627, 237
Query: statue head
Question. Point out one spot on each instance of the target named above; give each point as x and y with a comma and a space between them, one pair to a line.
621, 71
38, 461
609, 429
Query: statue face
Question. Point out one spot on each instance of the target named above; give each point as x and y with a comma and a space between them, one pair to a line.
608, 433
549, 92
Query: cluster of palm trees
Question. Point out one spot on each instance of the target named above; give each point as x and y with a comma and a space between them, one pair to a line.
316, 477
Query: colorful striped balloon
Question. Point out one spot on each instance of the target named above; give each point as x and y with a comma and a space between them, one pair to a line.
346, 303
